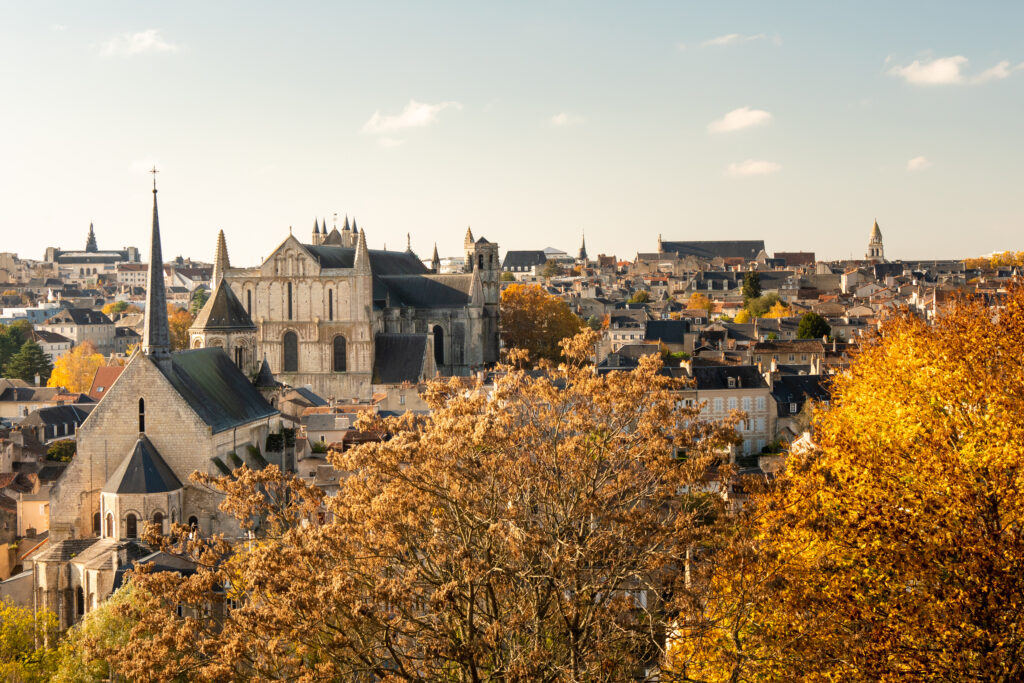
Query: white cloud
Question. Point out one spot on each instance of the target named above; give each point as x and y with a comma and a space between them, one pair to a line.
738, 119
750, 167
918, 164
564, 119
949, 71
737, 38
143, 42
414, 115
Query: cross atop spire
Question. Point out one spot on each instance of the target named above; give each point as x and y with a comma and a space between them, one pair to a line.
154, 172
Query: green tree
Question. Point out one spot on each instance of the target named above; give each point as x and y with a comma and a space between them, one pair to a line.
760, 306
199, 298
28, 362
640, 296
751, 285
507, 277
813, 326
11, 339
20, 630
595, 323
550, 268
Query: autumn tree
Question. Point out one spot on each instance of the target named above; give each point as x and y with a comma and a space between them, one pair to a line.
813, 326
894, 547
742, 317
28, 362
551, 268
75, 369
699, 302
536, 321
641, 296
178, 321
23, 632
536, 532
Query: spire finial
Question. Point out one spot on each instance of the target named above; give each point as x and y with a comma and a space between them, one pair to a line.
154, 172
408, 242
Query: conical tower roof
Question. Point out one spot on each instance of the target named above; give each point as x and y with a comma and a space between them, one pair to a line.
143, 471
876, 234
156, 335
223, 311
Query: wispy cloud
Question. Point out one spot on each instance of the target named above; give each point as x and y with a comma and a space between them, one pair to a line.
950, 71
918, 164
750, 167
738, 38
738, 119
414, 115
565, 119
144, 42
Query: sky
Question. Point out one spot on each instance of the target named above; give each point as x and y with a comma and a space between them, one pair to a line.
534, 123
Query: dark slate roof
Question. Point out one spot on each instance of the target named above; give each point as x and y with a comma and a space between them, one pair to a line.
797, 389
429, 291
670, 331
143, 471
746, 249
304, 395
79, 316
29, 393
223, 311
524, 259
398, 358
215, 388
265, 378
44, 337
717, 377
381, 262
53, 415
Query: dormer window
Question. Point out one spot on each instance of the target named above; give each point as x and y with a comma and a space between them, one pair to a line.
732, 382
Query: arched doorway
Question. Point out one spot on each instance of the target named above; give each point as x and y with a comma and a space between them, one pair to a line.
131, 526
158, 519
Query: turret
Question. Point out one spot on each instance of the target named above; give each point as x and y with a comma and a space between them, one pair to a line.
876, 252
435, 261
220, 260
361, 262
316, 233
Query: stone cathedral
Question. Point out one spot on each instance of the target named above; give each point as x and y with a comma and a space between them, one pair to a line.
341, 318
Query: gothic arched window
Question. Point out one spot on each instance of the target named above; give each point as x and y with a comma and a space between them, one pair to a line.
131, 526
142, 415
79, 602
289, 301
438, 345
340, 354
291, 351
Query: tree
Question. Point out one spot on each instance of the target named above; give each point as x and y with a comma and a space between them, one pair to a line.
743, 316
75, 369
20, 630
894, 548
507, 277
550, 269
594, 323
80, 654
699, 302
536, 321
778, 310
199, 297
760, 306
751, 285
115, 307
529, 533
61, 451
178, 322
641, 296
11, 339
28, 362
813, 326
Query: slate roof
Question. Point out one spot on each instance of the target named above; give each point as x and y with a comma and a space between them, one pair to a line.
265, 378
143, 471
381, 262
398, 358
797, 389
669, 331
29, 393
105, 376
62, 551
223, 311
429, 291
44, 337
79, 316
717, 377
215, 388
706, 249
55, 415
524, 259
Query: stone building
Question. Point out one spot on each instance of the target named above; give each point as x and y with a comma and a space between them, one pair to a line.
167, 415
876, 252
321, 311
87, 265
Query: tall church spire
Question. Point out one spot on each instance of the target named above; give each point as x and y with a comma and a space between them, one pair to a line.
221, 262
435, 261
583, 249
156, 337
90, 241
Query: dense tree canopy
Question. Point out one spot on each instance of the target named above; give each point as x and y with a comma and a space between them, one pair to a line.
28, 362
533, 320
751, 285
75, 369
813, 326
178, 322
893, 550
12, 337
536, 533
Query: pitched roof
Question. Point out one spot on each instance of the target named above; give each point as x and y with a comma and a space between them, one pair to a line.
381, 262
79, 316
215, 388
105, 376
430, 291
524, 259
223, 311
717, 377
709, 249
398, 358
265, 378
62, 551
143, 471
670, 331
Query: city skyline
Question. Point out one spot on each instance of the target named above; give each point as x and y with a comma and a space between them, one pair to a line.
531, 124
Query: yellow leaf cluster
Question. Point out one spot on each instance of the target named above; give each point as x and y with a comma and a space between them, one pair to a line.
75, 369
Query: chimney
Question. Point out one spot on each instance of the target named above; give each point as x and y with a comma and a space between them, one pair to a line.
37, 379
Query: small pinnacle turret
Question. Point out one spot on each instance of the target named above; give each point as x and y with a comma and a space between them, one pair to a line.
361, 262
220, 260
468, 242
90, 241
435, 261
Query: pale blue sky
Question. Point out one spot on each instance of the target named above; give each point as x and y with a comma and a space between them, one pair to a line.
537, 120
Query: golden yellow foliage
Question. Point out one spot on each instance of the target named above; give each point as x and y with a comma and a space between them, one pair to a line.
778, 310
178, 322
75, 369
699, 302
742, 317
533, 320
